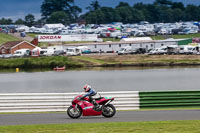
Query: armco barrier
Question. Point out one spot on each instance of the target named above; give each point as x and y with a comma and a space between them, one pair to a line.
41, 102
124, 100
169, 99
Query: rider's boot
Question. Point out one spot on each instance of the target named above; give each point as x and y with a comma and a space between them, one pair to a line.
96, 105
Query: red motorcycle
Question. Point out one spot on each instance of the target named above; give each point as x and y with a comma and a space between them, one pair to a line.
85, 108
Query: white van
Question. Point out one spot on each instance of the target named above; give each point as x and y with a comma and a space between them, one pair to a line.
73, 51
22, 53
47, 52
188, 49
162, 50
125, 50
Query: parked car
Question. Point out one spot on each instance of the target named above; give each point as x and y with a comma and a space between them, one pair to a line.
43, 52
1, 56
6, 56
59, 52
125, 50
88, 51
139, 51
84, 49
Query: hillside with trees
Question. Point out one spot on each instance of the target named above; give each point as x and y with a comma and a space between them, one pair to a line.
65, 12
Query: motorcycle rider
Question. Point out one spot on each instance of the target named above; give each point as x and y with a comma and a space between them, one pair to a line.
90, 93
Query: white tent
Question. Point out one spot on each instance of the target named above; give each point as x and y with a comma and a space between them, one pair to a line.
23, 28
53, 26
136, 39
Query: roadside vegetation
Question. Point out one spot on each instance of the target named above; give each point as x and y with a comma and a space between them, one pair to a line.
188, 126
41, 62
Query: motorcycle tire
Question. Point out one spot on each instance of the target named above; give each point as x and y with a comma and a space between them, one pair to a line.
72, 114
108, 110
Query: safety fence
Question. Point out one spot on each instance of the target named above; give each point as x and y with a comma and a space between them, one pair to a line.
169, 99
124, 100
42, 102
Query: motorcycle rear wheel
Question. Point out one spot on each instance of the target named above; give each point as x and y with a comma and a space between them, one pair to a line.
108, 110
74, 113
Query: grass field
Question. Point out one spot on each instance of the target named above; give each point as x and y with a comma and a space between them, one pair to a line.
189, 126
5, 38
161, 37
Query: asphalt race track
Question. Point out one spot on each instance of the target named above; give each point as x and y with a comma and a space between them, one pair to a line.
121, 116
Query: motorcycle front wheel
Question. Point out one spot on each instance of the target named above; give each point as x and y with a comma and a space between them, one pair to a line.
74, 112
108, 110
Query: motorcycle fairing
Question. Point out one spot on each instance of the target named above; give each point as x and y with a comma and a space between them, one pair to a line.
87, 109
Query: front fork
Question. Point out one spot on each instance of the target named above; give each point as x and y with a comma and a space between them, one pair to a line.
75, 107
108, 102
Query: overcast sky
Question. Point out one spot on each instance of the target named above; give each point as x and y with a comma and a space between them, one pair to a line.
15, 9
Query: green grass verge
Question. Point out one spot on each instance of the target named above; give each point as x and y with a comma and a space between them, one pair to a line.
161, 37
6, 37
88, 59
140, 60
33, 34
111, 39
190, 61
186, 36
189, 126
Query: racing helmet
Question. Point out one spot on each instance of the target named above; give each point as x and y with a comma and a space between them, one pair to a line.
87, 87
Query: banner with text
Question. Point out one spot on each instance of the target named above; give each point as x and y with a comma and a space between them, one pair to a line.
67, 38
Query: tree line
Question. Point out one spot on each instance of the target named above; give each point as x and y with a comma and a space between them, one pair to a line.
160, 11
65, 12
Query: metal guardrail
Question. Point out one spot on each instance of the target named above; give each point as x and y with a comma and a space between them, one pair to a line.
169, 99
124, 100
42, 102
